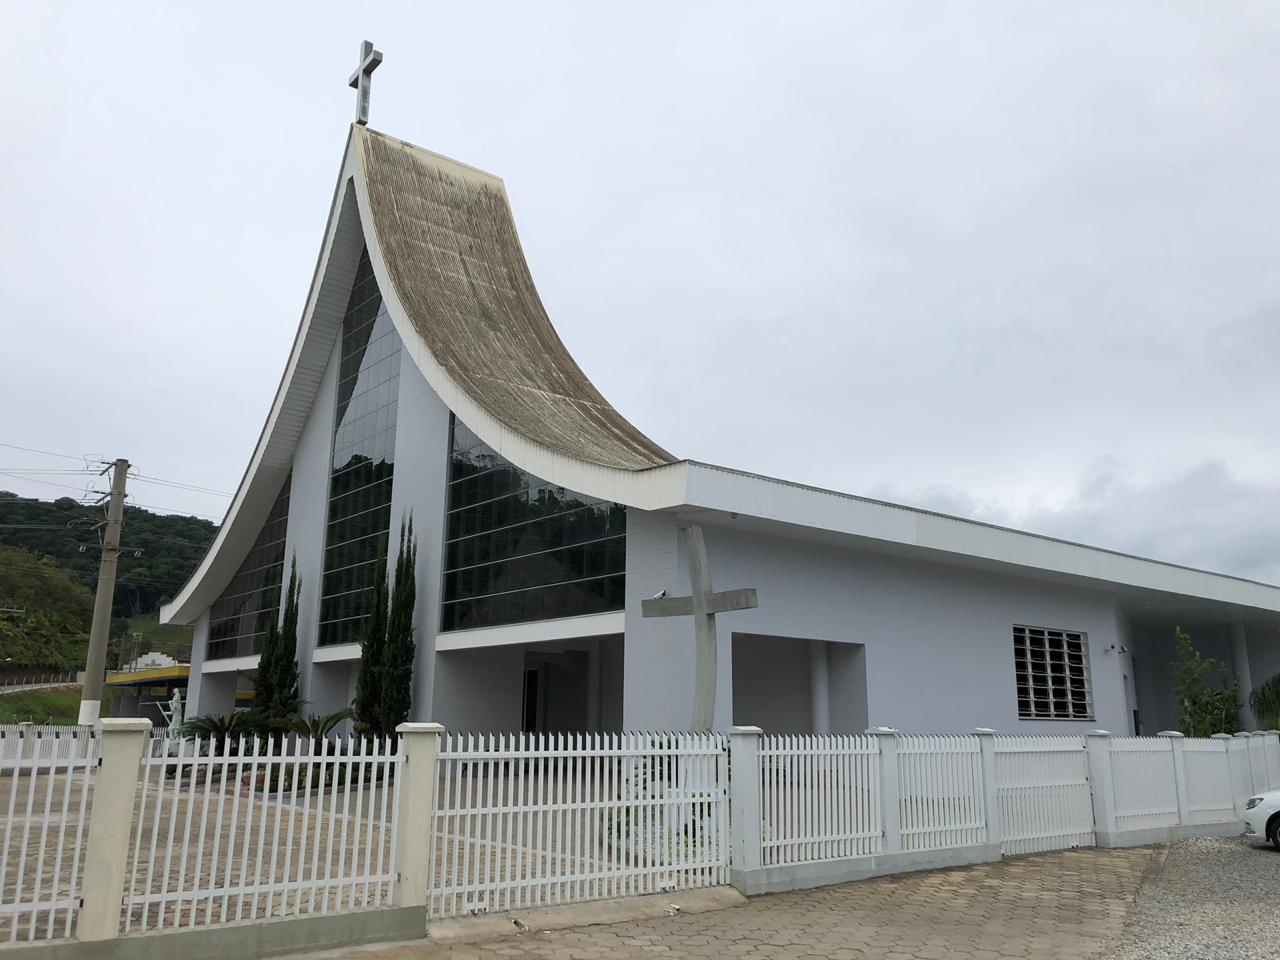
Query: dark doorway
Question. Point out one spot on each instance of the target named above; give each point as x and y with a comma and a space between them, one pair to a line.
533, 709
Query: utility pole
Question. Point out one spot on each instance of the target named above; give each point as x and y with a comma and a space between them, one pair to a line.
96, 664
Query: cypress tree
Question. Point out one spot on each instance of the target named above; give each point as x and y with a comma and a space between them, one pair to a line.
276, 696
397, 660
373, 642
264, 691
286, 683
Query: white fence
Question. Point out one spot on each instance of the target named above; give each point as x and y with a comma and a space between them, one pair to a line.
823, 799
46, 801
529, 820
1043, 787
819, 798
940, 792
1142, 775
1211, 797
248, 830
124, 832
43, 681
34, 741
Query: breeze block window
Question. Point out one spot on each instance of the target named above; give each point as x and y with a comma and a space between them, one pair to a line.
1052, 670
519, 548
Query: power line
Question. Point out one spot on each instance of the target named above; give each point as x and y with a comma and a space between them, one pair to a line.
180, 485
124, 581
176, 510
46, 453
36, 526
43, 470
47, 483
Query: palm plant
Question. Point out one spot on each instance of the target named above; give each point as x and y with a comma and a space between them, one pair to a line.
319, 727
218, 728
1265, 702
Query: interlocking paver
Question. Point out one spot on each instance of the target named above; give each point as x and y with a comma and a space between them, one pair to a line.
1068, 904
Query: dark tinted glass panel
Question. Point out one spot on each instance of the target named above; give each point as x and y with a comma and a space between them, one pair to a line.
238, 619
518, 548
364, 440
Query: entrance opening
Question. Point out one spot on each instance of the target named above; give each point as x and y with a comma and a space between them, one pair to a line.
799, 685
531, 711
550, 687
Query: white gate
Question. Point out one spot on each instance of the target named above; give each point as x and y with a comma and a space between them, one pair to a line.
528, 820
1043, 787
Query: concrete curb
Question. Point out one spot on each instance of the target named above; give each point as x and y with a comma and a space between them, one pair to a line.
247, 940
518, 922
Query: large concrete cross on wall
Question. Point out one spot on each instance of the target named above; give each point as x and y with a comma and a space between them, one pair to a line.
703, 607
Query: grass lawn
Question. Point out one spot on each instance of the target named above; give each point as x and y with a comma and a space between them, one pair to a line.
173, 639
59, 705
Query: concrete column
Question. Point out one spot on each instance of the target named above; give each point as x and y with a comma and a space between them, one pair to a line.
110, 823
1098, 745
416, 799
1179, 773
890, 815
819, 686
1233, 764
595, 680
744, 798
199, 647
1240, 664
991, 797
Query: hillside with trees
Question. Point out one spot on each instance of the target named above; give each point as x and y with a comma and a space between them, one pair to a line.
49, 569
160, 550
45, 615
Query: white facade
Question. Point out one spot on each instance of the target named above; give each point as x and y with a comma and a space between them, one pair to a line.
869, 613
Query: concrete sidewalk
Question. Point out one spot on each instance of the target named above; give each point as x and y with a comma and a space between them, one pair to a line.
1068, 904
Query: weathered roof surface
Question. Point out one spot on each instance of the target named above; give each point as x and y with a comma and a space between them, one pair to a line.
449, 242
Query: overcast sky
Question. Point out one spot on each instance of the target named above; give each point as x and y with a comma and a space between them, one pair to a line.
1015, 261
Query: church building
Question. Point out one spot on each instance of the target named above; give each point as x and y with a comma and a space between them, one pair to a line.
427, 380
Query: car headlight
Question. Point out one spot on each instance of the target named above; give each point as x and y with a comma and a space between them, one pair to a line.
1252, 802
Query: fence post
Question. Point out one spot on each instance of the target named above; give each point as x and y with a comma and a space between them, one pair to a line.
991, 797
1243, 751
115, 786
744, 799
1237, 801
1179, 773
415, 812
1272, 743
1100, 785
890, 815
26, 740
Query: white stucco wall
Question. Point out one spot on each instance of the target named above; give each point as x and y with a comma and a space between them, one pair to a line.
421, 471
938, 640
479, 690
304, 540
658, 658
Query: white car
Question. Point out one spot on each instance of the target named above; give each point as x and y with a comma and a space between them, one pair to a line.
1262, 817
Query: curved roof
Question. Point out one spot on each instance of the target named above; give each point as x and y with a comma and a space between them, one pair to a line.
445, 251
449, 243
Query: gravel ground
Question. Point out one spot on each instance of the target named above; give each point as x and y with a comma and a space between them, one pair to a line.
1214, 898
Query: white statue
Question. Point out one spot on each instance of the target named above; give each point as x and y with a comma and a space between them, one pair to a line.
175, 715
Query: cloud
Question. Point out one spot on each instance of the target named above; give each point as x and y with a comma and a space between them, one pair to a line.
1204, 517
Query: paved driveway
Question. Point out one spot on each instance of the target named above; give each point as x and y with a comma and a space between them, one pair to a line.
1070, 904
